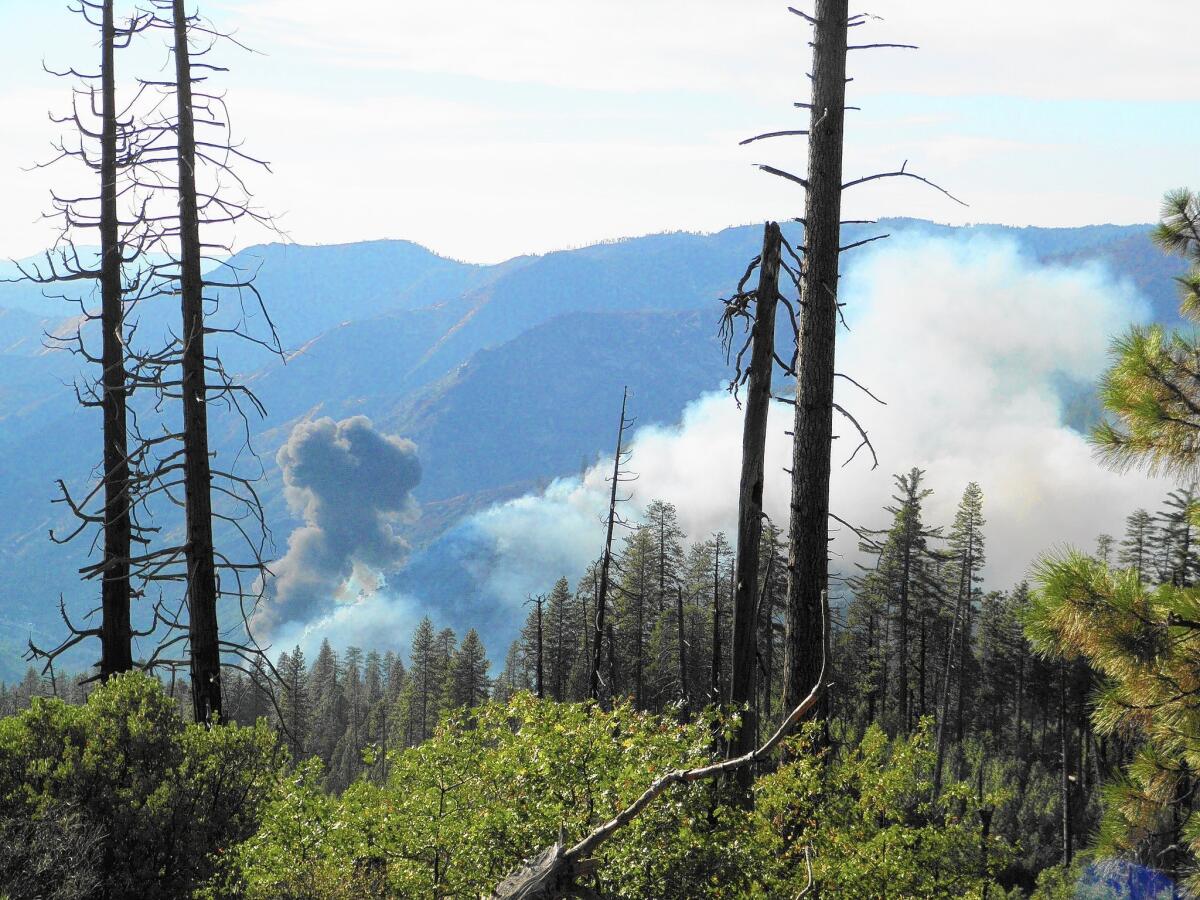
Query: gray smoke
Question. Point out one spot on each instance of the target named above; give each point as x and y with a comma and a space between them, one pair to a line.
351, 484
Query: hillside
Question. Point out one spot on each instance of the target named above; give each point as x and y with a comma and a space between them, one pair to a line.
505, 376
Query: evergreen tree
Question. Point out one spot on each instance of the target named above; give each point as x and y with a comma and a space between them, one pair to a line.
1152, 388
468, 684
329, 706
294, 705
1178, 559
965, 560
635, 586
1139, 538
894, 600
559, 639
422, 683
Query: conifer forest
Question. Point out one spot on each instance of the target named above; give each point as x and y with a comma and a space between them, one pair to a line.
843, 554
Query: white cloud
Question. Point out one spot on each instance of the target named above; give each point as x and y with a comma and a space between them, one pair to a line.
488, 130
1069, 48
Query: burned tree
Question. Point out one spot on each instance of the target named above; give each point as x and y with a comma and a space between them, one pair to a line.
108, 150
620, 459
808, 561
758, 309
197, 195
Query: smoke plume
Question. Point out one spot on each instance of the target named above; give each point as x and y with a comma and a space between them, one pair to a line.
351, 485
986, 360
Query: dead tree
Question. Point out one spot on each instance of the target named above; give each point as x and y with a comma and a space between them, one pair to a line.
196, 191
539, 683
808, 562
684, 698
555, 871
759, 308
620, 459
107, 149
202, 576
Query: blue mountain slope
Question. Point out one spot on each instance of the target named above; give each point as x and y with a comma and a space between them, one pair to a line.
506, 375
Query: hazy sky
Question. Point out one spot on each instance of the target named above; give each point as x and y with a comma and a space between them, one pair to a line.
485, 129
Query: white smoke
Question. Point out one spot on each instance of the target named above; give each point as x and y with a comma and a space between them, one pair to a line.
970, 343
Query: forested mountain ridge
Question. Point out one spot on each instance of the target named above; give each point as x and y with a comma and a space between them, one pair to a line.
527, 356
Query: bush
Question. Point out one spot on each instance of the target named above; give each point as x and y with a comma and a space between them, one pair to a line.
497, 783
159, 800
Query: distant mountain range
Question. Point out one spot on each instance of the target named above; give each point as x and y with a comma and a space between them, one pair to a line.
505, 376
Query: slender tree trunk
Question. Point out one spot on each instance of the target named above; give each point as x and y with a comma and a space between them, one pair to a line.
885, 643
602, 598
767, 605
683, 667
902, 671
115, 631
715, 674
750, 498
1065, 776
921, 675
1020, 699
541, 688
870, 658
808, 552
202, 578
944, 704
964, 644
638, 666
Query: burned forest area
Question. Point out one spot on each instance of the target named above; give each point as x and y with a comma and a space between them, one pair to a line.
841, 554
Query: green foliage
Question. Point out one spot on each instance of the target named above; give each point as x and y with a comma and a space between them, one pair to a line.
1150, 390
497, 783
1145, 643
166, 799
870, 826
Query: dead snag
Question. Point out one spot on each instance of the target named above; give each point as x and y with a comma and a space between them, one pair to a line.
619, 459
759, 308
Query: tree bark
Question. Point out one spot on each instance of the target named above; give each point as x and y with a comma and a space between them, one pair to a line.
750, 496
602, 598
715, 672
683, 667
808, 554
202, 578
1065, 775
115, 631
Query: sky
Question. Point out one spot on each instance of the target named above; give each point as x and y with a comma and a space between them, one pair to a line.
485, 130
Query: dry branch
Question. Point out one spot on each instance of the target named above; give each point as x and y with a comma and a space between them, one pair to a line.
553, 873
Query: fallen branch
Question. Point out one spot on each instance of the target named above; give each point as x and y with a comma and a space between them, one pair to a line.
552, 873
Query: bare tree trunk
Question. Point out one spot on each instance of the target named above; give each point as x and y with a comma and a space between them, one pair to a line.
541, 688
1065, 775
715, 688
602, 598
944, 702
902, 673
115, 630
921, 669
750, 497
683, 667
1020, 699
808, 554
202, 580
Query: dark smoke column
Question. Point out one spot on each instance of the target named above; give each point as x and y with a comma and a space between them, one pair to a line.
350, 484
